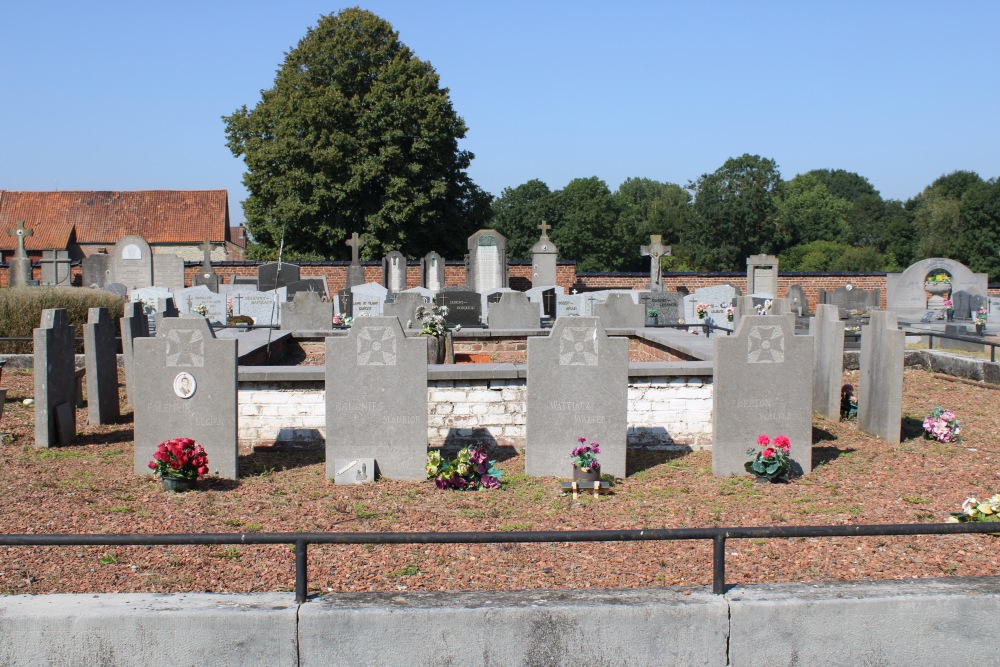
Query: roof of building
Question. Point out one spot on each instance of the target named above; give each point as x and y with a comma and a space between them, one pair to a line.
159, 216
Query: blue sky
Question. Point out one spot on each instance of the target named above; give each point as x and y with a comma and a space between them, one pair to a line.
129, 95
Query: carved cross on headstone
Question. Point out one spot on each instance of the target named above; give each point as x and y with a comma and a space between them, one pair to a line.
655, 250
20, 232
237, 298
355, 243
545, 227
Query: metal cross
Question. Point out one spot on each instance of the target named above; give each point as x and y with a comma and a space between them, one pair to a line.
20, 232
355, 244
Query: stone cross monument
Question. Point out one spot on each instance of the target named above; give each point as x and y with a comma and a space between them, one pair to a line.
206, 274
543, 259
20, 263
655, 250
355, 272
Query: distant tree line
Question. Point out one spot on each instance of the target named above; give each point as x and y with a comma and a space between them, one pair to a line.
822, 220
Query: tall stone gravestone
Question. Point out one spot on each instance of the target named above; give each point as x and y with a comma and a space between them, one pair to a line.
432, 271
102, 368
55, 267
487, 261
20, 264
848, 298
97, 270
132, 263
133, 325
55, 379
577, 388
827, 331
465, 308
514, 311
168, 271
404, 306
880, 394
394, 271
376, 399
368, 299
544, 256
621, 312
655, 250
272, 275
763, 384
798, 301
308, 312
186, 389
762, 275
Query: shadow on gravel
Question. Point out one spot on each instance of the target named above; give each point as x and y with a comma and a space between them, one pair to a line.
823, 455
821, 435
265, 460
119, 436
912, 428
637, 460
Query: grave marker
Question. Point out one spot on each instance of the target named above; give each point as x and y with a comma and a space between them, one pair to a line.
55, 267
655, 250
621, 312
55, 379
404, 306
368, 299
514, 311
355, 272
464, 306
272, 275
19, 266
394, 271
543, 259
133, 325
487, 261
168, 271
880, 391
827, 331
308, 312
97, 270
432, 271
102, 368
132, 263
762, 275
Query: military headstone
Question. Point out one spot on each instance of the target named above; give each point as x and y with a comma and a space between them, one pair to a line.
132, 263
376, 399
464, 307
544, 255
514, 311
404, 306
762, 275
880, 394
487, 261
763, 385
55, 379
578, 388
20, 264
307, 312
394, 271
96, 270
355, 272
655, 250
102, 368
621, 311
168, 271
272, 275
55, 267
133, 324
827, 331
368, 299
187, 388
432, 271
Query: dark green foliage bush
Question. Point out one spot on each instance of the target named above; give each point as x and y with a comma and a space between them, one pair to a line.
21, 311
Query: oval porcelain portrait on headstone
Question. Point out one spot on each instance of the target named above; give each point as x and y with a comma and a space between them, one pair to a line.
184, 385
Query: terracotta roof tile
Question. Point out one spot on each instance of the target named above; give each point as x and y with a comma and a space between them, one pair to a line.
159, 216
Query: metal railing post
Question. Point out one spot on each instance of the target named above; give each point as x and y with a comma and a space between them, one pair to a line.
301, 572
719, 564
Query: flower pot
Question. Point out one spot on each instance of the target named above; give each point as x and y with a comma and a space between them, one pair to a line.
593, 475
177, 484
950, 314
980, 328
938, 289
435, 349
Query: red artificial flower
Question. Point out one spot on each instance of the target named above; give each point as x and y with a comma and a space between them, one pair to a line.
768, 453
763, 440
783, 443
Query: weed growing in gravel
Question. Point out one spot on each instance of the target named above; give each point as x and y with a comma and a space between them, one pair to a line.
108, 559
407, 571
229, 553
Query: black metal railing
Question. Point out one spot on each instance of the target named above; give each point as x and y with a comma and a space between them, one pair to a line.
971, 338
301, 541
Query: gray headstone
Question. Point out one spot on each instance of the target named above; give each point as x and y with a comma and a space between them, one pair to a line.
880, 394
376, 398
590, 300
977, 301
569, 305
994, 309
404, 305
96, 270
546, 294
245, 281
716, 297
667, 306
355, 272
762, 274
55, 379
620, 311
314, 284
763, 384
910, 291
168, 271
799, 303
848, 298
133, 324
307, 312
186, 388
150, 297
102, 368
464, 307
206, 275
514, 311
132, 263
487, 261
827, 331
20, 264
55, 267
192, 298
368, 299
577, 388
432, 271
263, 307
490, 297
270, 277
544, 256
394, 271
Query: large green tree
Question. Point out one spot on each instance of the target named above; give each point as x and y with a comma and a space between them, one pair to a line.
518, 212
650, 207
735, 214
587, 226
356, 135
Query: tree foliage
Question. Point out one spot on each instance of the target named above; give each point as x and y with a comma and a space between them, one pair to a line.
356, 135
518, 212
587, 225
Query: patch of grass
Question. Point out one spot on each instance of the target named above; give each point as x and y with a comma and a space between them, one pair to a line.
253, 527
120, 509
407, 571
229, 553
916, 500
58, 454
235, 523
363, 512
520, 525
108, 559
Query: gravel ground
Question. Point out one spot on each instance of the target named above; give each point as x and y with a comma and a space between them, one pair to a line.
90, 488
